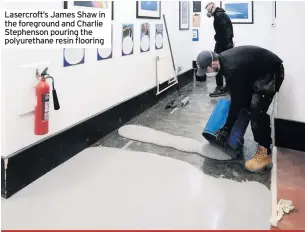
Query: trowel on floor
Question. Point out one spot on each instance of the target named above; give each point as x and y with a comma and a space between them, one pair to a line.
173, 104
217, 120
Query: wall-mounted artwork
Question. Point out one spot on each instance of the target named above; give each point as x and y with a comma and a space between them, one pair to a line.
184, 15
149, 9
73, 56
95, 4
196, 20
127, 39
145, 37
196, 6
105, 53
240, 12
195, 33
159, 36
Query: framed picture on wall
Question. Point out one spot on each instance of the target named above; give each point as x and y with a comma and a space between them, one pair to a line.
184, 15
95, 4
240, 12
127, 39
105, 53
159, 36
148, 9
196, 6
195, 33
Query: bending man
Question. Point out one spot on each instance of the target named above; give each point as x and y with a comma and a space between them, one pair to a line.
253, 76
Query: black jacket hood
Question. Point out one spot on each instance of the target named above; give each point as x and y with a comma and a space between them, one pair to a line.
219, 9
223, 28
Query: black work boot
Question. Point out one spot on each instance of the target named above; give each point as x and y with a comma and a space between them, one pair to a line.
226, 89
219, 91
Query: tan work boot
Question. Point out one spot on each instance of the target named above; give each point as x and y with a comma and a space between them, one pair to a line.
260, 161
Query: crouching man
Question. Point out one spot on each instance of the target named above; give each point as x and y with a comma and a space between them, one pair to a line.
253, 76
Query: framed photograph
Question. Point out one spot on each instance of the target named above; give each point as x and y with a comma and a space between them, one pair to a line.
145, 37
196, 20
240, 12
73, 56
196, 6
127, 39
149, 9
105, 53
184, 15
159, 36
95, 4
195, 33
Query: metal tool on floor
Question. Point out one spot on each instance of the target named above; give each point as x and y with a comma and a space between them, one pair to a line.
184, 100
217, 120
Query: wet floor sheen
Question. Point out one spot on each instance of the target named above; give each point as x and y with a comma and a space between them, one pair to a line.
135, 185
110, 188
189, 121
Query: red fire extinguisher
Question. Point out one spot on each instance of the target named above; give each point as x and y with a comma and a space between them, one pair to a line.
42, 103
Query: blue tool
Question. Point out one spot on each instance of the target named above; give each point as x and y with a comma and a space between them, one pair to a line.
217, 121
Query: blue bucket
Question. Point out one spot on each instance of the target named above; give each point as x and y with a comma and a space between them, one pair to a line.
217, 119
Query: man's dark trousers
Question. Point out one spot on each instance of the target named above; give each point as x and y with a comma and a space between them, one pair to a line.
264, 90
219, 48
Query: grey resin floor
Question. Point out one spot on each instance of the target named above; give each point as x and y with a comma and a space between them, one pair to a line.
189, 121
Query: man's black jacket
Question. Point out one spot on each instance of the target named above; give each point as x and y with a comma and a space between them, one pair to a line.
223, 28
243, 67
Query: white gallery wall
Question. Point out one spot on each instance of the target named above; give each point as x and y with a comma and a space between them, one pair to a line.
86, 89
259, 33
95, 86
290, 46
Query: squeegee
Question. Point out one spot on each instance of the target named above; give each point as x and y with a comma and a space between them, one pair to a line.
185, 99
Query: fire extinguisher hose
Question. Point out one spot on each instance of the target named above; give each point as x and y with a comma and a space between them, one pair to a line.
54, 94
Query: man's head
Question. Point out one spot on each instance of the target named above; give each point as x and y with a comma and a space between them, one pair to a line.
207, 62
210, 7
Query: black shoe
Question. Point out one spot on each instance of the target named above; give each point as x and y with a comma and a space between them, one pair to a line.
226, 89
219, 91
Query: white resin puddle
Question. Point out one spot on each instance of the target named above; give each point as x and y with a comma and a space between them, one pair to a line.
149, 135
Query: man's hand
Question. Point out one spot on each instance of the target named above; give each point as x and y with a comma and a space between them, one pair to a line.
222, 136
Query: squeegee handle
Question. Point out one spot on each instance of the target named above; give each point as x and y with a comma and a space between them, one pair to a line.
169, 43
